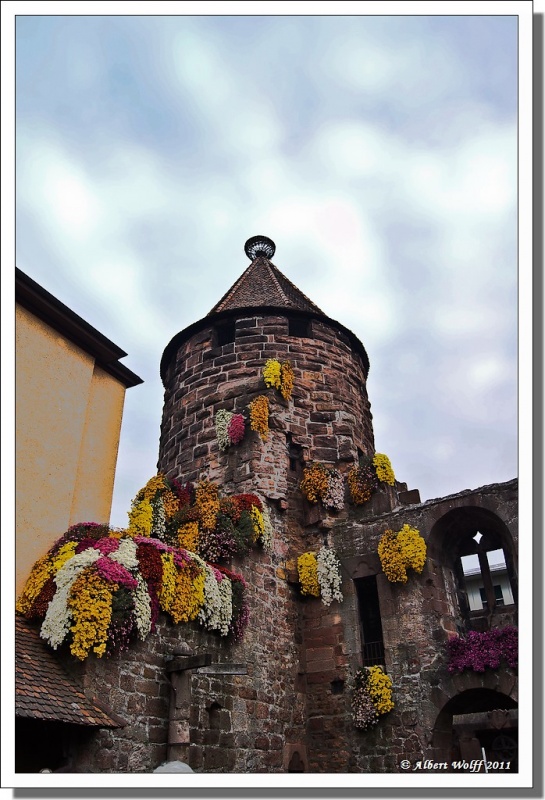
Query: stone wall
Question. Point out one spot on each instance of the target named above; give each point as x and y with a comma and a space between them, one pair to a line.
417, 619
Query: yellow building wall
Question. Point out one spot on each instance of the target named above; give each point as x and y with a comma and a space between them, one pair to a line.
68, 421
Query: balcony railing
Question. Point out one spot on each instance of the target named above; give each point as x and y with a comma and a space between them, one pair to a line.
372, 653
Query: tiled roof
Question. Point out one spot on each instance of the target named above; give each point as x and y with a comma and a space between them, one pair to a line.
44, 690
262, 284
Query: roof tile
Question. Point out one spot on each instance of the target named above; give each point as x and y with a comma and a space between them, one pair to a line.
44, 690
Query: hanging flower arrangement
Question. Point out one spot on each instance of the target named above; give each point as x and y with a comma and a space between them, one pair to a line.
259, 416
320, 575
322, 483
98, 589
401, 551
371, 697
279, 376
362, 482
383, 469
230, 428
481, 650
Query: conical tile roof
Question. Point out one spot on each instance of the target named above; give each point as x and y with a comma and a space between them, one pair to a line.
262, 284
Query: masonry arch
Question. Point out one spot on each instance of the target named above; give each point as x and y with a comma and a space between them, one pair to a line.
476, 550
478, 723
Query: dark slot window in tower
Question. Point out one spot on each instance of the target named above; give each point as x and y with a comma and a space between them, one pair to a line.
295, 454
301, 328
370, 622
225, 332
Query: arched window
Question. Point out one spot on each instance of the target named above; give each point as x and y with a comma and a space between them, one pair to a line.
475, 546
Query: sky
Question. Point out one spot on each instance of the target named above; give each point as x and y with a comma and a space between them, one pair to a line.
378, 152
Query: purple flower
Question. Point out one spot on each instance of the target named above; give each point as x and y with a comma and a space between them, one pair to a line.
115, 572
483, 650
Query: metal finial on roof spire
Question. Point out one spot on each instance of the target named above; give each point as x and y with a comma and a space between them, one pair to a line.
259, 246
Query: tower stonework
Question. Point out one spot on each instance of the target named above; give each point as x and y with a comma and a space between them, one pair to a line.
279, 700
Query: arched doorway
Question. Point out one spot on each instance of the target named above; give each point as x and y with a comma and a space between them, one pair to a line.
477, 724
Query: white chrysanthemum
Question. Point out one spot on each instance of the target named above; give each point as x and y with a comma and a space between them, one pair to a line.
58, 618
221, 421
267, 535
125, 553
334, 497
218, 603
226, 611
329, 576
158, 525
142, 608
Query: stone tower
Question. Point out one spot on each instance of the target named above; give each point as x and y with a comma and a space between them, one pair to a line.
216, 363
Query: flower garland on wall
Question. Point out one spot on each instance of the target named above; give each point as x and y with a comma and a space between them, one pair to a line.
259, 416
383, 469
279, 376
365, 477
371, 697
323, 483
479, 650
231, 427
362, 482
99, 588
320, 575
401, 551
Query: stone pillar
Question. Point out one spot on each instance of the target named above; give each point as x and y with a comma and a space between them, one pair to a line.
180, 703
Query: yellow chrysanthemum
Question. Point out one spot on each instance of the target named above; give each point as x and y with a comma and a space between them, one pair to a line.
272, 374
307, 568
383, 468
140, 518
315, 482
188, 536
207, 503
171, 503
413, 547
40, 573
259, 416
168, 584
379, 686
188, 596
90, 601
286, 380
257, 522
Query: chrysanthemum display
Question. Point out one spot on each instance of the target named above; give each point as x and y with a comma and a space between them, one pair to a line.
371, 697
362, 482
401, 551
99, 588
279, 376
307, 569
315, 482
221, 422
329, 576
481, 650
112, 591
323, 483
383, 468
272, 374
230, 428
259, 416
320, 575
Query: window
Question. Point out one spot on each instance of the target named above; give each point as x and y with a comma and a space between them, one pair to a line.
295, 454
485, 575
370, 621
299, 327
225, 332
